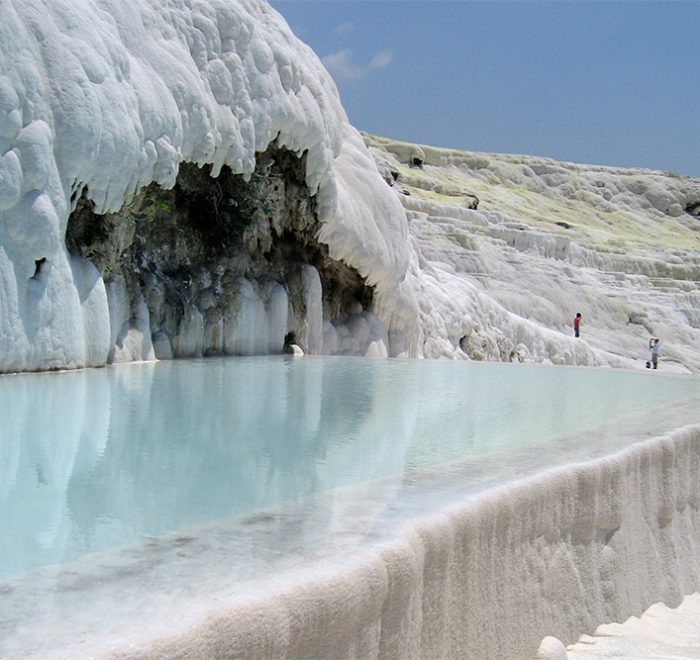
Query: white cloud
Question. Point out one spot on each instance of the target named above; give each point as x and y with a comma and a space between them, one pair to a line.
341, 65
344, 28
381, 59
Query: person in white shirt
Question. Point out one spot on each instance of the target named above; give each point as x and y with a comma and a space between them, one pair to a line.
654, 348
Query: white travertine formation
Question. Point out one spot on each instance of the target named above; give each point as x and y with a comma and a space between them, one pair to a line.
661, 632
510, 248
551, 556
107, 97
489, 258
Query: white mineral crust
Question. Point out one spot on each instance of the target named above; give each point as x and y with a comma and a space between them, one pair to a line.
110, 96
104, 97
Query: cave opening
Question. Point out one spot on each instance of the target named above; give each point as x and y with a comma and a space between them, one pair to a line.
185, 246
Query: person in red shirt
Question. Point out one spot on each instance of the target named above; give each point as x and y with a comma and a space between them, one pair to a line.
577, 324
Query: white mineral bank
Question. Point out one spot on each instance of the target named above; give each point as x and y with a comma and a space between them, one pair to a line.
661, 632
111, 96
490, 577
551, 649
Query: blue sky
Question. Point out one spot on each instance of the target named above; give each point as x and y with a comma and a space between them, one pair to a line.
609, 83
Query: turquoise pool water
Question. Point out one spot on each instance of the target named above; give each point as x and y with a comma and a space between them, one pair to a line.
104, 458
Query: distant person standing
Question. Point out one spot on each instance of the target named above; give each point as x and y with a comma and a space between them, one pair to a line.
577, 324
654, 349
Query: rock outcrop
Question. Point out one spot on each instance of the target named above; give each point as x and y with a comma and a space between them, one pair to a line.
180, 179
549, 240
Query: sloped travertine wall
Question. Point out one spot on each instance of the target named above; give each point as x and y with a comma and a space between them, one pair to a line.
552, 555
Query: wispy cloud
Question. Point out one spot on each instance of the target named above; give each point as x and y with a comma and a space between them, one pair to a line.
381, 59
344, 28
341, 64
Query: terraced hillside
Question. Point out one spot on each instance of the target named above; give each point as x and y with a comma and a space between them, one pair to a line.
512, 247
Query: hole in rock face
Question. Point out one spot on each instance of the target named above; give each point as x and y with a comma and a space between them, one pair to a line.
187, 248
37, 267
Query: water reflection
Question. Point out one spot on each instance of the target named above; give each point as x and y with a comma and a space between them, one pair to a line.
97, 459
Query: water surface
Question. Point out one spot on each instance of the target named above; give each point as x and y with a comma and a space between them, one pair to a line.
101, 458
132, 494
